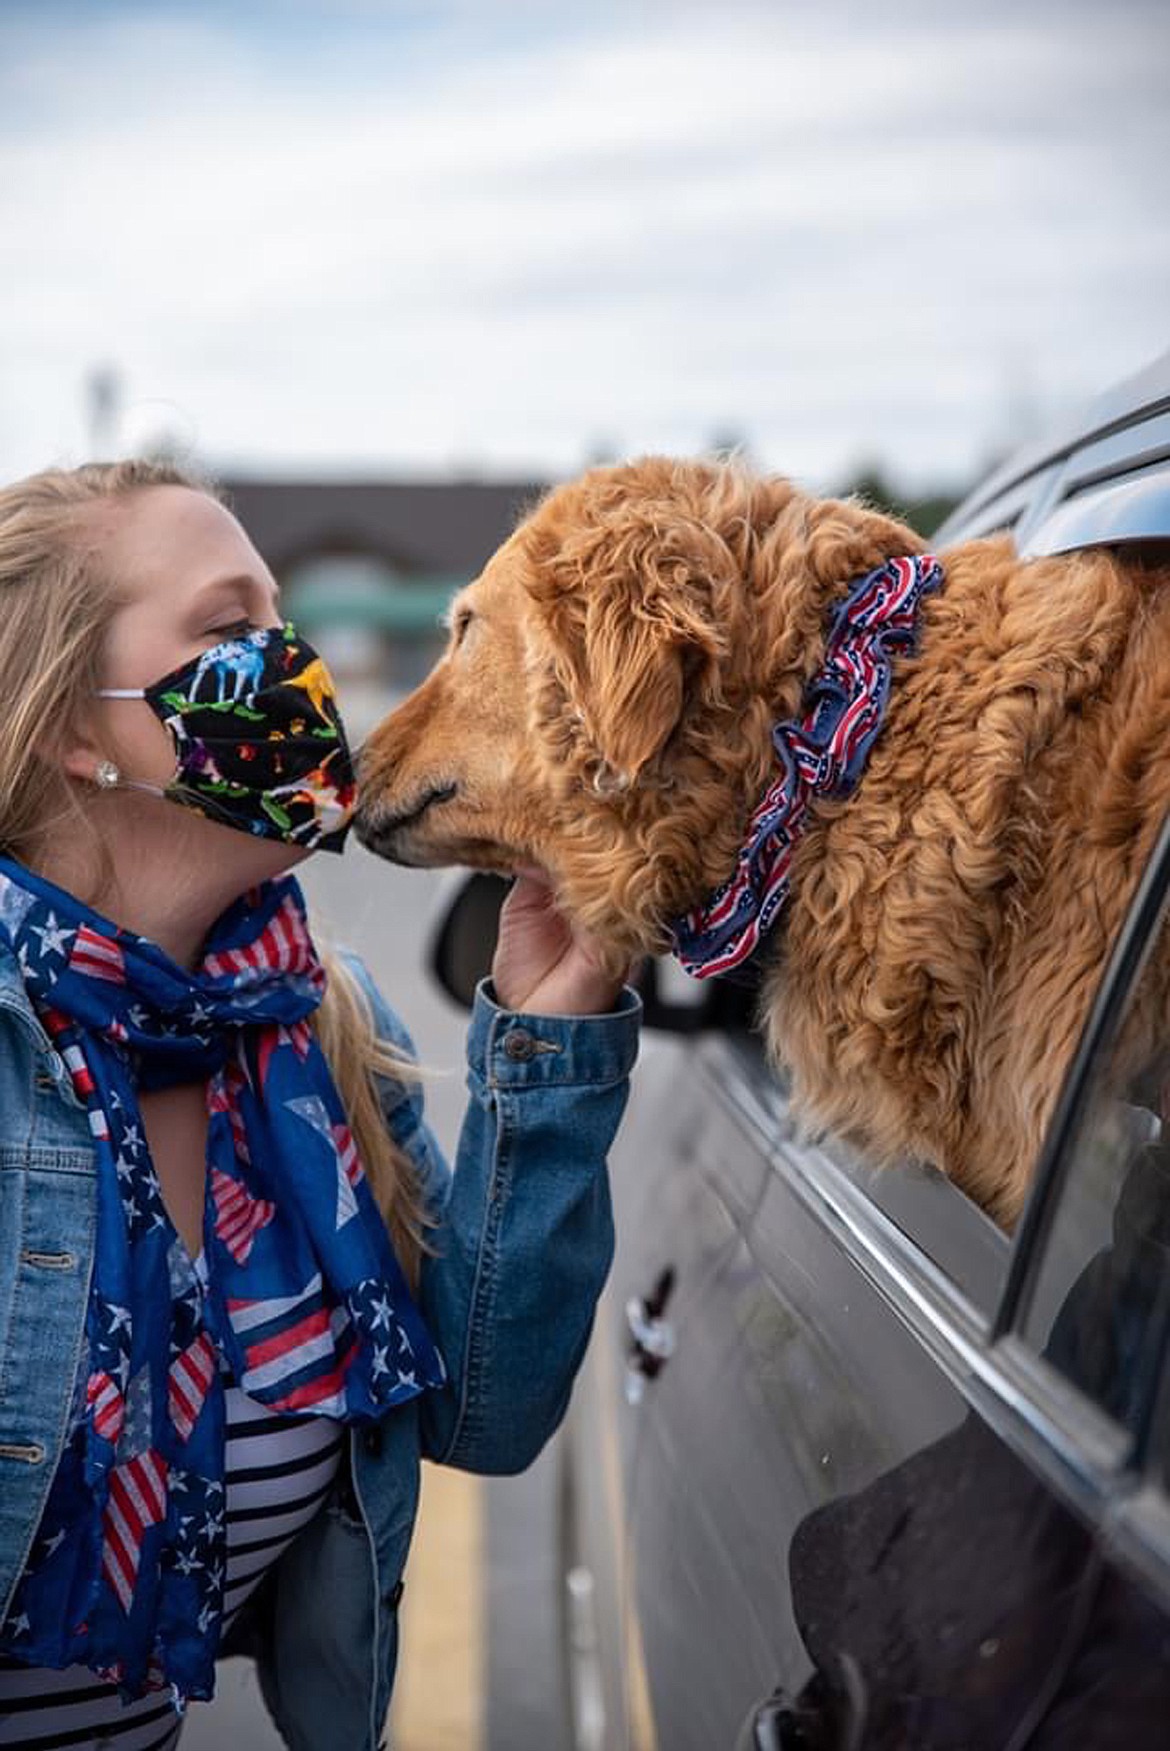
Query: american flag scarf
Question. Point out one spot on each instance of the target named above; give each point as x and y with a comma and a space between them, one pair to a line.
305, 1303
822, 754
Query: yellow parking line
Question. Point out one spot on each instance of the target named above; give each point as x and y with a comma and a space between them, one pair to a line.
438, 1698
643, 1733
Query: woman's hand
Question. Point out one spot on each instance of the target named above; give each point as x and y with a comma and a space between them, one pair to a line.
542, 964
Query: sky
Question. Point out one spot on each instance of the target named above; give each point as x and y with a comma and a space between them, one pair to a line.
506, 239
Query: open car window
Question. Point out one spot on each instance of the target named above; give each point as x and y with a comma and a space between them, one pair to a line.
1107, 483
1090, 1291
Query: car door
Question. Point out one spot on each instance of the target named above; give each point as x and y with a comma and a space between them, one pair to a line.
792, 1382
672, 1237
889, 1483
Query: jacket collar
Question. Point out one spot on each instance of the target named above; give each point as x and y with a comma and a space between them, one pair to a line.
12, 991
15, 999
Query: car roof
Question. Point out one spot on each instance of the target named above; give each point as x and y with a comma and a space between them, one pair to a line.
1103, 477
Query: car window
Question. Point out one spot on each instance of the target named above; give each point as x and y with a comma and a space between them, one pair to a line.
1093, 1292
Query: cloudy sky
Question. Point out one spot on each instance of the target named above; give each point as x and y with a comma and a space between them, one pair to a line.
491, 237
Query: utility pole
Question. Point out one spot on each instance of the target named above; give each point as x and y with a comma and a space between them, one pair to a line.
103, 391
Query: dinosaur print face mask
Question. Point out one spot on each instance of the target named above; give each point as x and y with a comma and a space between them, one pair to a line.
259, 743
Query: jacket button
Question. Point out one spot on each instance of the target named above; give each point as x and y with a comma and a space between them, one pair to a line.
519, 1045
372, 1441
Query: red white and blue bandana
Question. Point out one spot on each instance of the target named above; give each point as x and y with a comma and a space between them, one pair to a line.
821, 755
305, 1305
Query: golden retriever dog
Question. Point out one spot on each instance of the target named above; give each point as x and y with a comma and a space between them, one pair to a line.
604, 709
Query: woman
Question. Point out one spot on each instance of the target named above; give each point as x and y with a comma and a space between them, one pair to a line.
219, 1363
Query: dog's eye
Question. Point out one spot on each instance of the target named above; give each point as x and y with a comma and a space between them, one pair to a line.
459, 625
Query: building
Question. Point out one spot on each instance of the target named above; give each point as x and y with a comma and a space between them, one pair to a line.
367, 567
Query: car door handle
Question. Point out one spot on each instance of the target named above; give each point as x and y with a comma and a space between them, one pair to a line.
651, 1335
776, 1726
819, 1720
773, 1727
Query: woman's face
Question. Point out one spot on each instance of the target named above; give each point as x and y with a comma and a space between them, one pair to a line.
186, 577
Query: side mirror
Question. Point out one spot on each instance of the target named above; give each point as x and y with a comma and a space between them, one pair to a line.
465, 939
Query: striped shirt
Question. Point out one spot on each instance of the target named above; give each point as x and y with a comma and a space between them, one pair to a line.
277, 1472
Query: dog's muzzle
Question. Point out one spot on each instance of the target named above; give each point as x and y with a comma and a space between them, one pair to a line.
379, 832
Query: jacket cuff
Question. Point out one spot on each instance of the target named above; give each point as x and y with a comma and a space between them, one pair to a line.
509, 1049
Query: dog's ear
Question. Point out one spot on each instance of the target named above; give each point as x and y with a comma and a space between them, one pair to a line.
630, 682
627, 595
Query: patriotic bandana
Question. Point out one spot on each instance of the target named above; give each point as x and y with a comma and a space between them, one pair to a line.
821, 755
305, 1302
259, 744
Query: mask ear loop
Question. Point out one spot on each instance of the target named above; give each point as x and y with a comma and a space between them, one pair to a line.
141, 784
118, 782
107, 777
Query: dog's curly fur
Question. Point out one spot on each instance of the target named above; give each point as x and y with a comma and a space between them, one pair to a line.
604, 710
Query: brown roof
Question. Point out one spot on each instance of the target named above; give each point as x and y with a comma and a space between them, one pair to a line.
421, 528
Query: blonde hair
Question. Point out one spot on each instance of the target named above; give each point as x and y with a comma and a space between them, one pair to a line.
54, 608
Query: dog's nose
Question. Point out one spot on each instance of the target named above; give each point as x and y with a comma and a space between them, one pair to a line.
379, 830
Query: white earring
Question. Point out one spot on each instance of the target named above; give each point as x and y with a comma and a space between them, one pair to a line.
106, 775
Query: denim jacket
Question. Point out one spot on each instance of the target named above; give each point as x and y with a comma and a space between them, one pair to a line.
522, 1246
